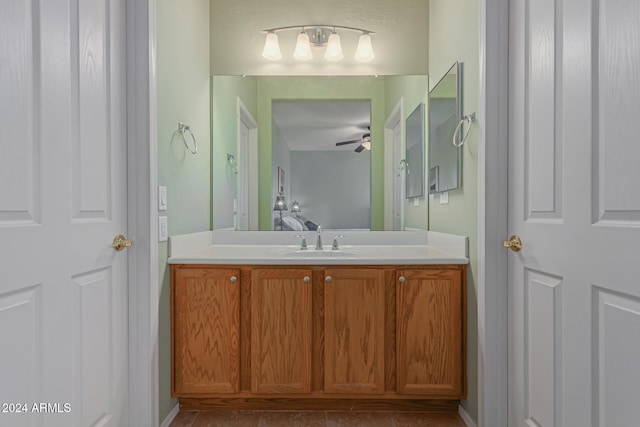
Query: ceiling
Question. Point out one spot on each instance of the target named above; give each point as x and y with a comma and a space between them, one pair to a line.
400, 41
318, 125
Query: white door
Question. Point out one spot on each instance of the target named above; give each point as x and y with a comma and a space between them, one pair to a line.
242, 212
63, 289
394, 174
574, 199
247, 200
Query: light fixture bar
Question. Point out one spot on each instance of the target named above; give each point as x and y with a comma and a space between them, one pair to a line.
329, 27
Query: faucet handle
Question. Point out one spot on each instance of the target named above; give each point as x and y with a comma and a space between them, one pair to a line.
335, 243
303, 244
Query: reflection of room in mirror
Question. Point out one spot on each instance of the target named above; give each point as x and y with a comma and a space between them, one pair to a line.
444, 115
415, 152
322, 144
374, 99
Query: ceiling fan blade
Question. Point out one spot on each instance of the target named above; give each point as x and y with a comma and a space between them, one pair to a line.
359, 149
348, 142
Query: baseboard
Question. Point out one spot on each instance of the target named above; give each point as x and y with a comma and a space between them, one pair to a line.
172, 415
465, 417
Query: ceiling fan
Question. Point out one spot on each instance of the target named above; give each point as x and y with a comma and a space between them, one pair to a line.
365, 142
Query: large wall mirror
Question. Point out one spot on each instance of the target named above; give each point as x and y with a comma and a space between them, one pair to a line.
445, 112
299, 120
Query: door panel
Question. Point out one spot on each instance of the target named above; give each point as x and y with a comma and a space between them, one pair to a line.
63, 294
354, 301
429, 332
206, 331
573, 200
281, 331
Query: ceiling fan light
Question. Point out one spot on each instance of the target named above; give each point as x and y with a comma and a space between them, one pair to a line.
334, 48
364, 51
271, 49
367, 144
303, 48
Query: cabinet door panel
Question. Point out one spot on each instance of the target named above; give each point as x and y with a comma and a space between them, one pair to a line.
206, 329
280, 331
429, 332
354, 331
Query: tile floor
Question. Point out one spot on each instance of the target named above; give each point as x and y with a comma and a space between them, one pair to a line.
313, 419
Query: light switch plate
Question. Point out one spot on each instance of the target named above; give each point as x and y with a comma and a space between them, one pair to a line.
163, 228
162, 198
444, 197
416, 201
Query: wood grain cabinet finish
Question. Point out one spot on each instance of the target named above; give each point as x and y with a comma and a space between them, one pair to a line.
205, 331
281, 331
354, 302
285, 337
429, 330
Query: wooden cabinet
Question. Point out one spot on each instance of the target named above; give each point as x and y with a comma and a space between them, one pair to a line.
354, 302
281, 331
429, 332
205, 331
318, 337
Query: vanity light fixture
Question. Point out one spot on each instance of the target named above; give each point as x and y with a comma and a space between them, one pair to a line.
271, 49
303, 47
318, 36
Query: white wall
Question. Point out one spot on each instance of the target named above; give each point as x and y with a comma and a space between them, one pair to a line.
341, 199
453, 36
183, 96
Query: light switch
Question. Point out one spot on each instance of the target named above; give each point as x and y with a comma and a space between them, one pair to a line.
444, 197
416, 201
163, 228
162, 198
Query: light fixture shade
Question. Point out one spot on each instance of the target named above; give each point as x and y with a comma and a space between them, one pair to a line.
295, 207
271, 49
281, 204
334, 48
364, 52
303, 48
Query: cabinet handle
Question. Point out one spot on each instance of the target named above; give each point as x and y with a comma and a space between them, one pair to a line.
401, 279
306, 279
327, 279
233, 279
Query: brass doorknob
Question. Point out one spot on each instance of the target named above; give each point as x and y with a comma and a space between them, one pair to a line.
120, 242
514, 243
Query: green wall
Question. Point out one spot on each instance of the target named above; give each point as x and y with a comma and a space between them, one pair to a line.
453, 35
225, 91
413, 90
183, 96
270, 88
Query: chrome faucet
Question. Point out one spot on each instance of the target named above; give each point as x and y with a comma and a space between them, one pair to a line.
335, 246
303, 244
319, 241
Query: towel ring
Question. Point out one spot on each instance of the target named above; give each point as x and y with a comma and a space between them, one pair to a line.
182, 128
469, 118
232, 162
404, 165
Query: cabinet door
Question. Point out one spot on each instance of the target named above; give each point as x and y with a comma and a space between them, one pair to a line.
429, 332
281, 331
206, 331
354, 306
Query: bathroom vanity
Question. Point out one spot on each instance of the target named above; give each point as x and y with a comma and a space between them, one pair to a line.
373, 325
